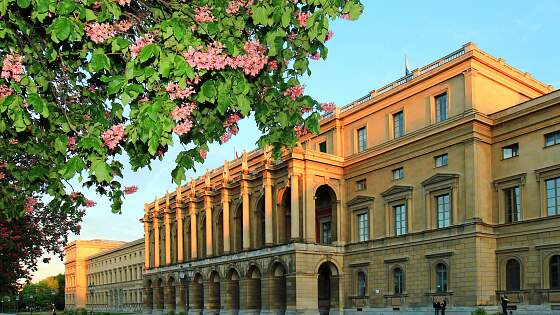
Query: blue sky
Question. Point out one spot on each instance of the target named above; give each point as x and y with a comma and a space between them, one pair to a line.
364, 55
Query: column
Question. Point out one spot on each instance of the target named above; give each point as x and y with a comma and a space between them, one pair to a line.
180, 298
156, 239
179, 219
294, 205
226, 232
208, 210
246, 213
146, 242
268, 209
194, 235
167, 232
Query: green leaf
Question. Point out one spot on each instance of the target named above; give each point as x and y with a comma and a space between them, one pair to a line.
243, 104
66, 7
60, 144
148, 52
61, 28
101, 170
178, 175
99, 60
42, 6
23, 3
39, 105
72, 166
209, 89
116, 84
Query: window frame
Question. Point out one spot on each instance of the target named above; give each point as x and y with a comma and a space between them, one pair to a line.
443, 157
362, 237
554, 268
361, 145
361, 287
441, 276
320, 144
512, 204
508, 276
400, 289
555, 198
361, 184
437, 106
400, 171
402, 228
555, 140
401, 126
514, 147
446, 222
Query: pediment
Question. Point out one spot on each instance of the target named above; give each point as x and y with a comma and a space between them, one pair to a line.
360, 199
397, 189
440, 177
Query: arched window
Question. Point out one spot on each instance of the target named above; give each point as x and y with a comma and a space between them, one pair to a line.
441, 277
362, 284
513, 275
555, 272
398, 281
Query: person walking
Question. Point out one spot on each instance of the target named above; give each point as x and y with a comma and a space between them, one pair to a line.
505, 301
443, 305
436, 307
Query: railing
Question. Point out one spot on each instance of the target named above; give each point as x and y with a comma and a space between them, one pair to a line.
436, 64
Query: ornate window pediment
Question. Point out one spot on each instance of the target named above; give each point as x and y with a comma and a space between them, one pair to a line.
360, 201
440, 178
396, 190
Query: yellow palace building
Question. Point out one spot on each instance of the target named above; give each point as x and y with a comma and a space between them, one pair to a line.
442, 185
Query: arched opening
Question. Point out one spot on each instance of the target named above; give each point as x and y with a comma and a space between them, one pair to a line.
187, 238
327, 287
284, 217
253, 283
161, 245
259, 232
158, 295
513, 275
398, 281
218, 232
148, 295
441, 278
230, 294
152, 251
196, 293
201, 239
213, 299
170, 294
237, 229
278, 288
173, 241
325, 215
362, 284
555, 272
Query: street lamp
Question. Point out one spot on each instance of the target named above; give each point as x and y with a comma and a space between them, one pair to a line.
53, 294
17, 302
91, 289
31, 304
186, 277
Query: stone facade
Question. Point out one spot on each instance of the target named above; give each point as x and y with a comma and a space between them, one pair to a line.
438, 186
113, 270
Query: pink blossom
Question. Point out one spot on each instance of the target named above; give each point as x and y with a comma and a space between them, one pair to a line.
123, 25
100, 32
74, 195
78, 229
273, 65
72, 143
183, 127
183, 112
130, 190
176, 92
301, 130
2, 175
233, 130
328, 107
139, 44
5, 91
29, 204
316, 56
253, 61
330, 35
4, 164
345, 16
113, 136
305, 110
14, 141
89, 203
302, 18
233, 7
143, 99
203, 14
203, 154
12, 67
225, 137
292, 37
123, 2
232, 119
294, 92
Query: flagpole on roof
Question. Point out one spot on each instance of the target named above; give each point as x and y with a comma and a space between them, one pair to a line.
406, 67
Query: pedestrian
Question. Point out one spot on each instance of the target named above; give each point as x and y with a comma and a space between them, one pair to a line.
443, 305
505, 302
436, 307
53, 310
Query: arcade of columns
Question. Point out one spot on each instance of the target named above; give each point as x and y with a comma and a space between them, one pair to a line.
237, 247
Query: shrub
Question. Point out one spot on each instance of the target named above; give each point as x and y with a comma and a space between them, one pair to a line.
480, 311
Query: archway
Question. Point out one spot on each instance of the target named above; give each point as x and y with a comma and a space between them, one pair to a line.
201, 239
253, 283
218, 233
278, 288
327, 287
284, 217
170, 294
196, 294
325, 215
213, 293
158, 294
230, 294
237, 229
259, 230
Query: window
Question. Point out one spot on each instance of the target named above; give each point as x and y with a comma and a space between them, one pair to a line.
323, 147
326, 232
441, 278
441, 160
552, 138
510, 151
441, 107
513, 275
555, 272
362, 139
398, 173
361, 184
398, 281
443, 216
400, 219
553, 196
363, 234
398, 124
361, 284
512, 204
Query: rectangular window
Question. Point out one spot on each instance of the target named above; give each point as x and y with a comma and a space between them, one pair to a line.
441, 107
443, 213
361, 184
398, 124
363, 234
400, 219
552, 138
510, 151
512, 204
553, 196
398, 173
362, 139
326, 232
323, 147
441, 160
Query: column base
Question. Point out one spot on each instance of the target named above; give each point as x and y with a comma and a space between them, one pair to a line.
179, 310
302, 312
273, 312
211, 312
249, 312
194, 311
229, 312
